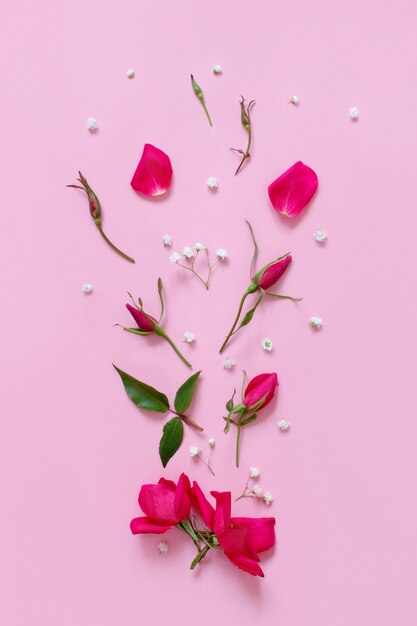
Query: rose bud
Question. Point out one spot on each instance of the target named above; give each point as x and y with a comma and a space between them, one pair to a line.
270, 274
261, 387
144, 322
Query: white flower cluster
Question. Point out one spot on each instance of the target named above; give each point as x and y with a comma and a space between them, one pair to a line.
255, 491
316, 322
228, 364
267, 344
92, 124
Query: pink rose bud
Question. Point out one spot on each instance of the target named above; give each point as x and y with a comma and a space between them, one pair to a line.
262, 386
269, 276
142, 320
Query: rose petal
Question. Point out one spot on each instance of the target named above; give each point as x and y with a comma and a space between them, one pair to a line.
260, 532
246, 564
203, 506
292, 191
154, 172
260, 386
141, 320
144, 525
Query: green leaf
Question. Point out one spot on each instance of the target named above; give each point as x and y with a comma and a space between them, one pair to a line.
229, 403
185, 393
171, 439
239, 408
248, 420
258, 404
144, 396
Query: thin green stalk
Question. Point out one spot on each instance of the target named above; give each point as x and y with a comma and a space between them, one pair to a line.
239, 428
161, 333
115, 248
239, 311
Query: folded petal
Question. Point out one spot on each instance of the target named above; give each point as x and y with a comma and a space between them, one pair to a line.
246, 564
144, 525
203, 506
260, 532
141, 319
260, 386
182, 502
158, 503
154, 172
223, 509
273, 272
292, 191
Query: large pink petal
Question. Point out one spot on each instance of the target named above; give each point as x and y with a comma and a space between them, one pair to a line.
260, 386
154, 172
203, 506
158, 503
260, 532
246, 564
223, 510
182, 502
292, 191
144, 525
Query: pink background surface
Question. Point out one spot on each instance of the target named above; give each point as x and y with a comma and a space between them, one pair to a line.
74, 449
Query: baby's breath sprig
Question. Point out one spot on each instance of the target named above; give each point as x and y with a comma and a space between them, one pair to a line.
254, 490
191, 254
195, 453
245, 111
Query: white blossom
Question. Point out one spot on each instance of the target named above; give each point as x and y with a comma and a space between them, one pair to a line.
254, 472
283, 424
211, 442
294, 100
212, 182
189, 337
200, 246
267, 344
167, 241
257, 491
228, 363
217, 69
268, 497
130, 73
316, 322
222, 254
163, 547
87, 288
320, 236
194, 451
92, 124
353, 113
188, 252
175, 257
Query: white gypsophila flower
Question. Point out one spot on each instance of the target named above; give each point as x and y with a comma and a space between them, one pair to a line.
353, 113
212, 182
268, 497
267, 344
200, 246
167, 241
87, 288
188, 252
316, 322
163, 547
257, 491
320, 236
92, 124
294, 100
211, 442
194, 451
175, 257
222, 254
189, 337
228, 363
254, 472
283, 424
217, 69
130, 73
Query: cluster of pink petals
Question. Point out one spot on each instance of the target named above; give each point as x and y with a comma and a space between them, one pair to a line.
241, 538
141, 319
154, 173
261, 386
292, 191
273, 272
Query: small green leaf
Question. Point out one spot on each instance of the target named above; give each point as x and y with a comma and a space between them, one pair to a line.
248, 420
185, 393
258, 404
239, 408
171, 439
144, 396
229, 403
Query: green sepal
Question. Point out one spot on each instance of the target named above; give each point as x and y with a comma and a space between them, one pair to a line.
249, 419
229, 403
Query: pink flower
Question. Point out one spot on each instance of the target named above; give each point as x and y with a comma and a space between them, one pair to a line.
271, 273
263, 385
165, 505
154, 172
141, 319
292, 191
241, 538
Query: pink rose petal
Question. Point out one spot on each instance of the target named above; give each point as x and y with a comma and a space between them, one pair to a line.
154, 173
292, 191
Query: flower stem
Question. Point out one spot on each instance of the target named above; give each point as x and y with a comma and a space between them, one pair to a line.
115, 248
161, 333
239, 428
205, 463
239, 311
